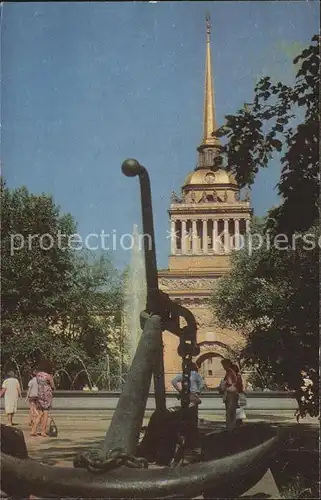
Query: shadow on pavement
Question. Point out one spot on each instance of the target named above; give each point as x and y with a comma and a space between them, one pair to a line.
303, 437
267, 417
62, 455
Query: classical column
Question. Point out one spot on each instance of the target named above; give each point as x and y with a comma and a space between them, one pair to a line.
247, 225
194, 237
205, 240
214, 235
184, 237
226, 237
187, 238
173, 237
237, 234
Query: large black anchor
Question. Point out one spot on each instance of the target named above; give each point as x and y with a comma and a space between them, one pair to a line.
157, 301
246, 453
160, 314
159, 304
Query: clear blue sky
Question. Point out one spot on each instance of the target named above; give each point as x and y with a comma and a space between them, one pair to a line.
86, 85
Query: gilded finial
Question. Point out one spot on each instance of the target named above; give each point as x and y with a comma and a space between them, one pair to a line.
209, 115
208, 24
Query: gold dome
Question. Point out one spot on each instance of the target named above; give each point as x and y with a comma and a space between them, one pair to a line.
209, 177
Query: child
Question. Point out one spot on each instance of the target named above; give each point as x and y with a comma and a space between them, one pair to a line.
32, 398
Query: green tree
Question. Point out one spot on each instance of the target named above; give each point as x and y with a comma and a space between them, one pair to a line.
272, 294
57, 303
35, 255
86, 332
28, 340
269, 296
93, 309
35, 263
282, 120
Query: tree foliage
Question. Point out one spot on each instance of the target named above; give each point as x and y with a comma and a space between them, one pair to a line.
57, 303
93, 310
282, 120
34, 265
271, 294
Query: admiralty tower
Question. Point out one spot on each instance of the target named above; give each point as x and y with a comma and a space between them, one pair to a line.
205, 222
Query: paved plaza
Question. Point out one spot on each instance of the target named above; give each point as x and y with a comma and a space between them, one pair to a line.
78, 429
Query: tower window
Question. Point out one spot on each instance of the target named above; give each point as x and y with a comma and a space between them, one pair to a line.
210, 372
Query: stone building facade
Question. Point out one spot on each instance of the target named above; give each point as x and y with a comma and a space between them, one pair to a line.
207, 222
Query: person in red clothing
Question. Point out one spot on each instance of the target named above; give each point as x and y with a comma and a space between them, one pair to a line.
239, 381
240, 414
229, 386
46, 387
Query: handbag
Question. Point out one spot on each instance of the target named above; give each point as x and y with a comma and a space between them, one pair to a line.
222, 387
240, 414
53, 429
242, 400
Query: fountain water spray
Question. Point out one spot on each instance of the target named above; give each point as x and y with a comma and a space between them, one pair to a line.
105, 376
134, 296
78, 358
62, 370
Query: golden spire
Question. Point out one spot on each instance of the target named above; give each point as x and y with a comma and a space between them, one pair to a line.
209, 117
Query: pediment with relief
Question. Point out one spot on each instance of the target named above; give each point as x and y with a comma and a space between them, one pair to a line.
186, 283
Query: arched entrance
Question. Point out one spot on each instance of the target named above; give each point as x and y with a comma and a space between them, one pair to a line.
209, 362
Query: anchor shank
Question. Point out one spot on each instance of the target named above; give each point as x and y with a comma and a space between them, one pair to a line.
149, 242
128, 417
152, 304
132, 168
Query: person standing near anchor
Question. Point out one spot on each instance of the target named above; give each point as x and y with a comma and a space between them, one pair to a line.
196, 387
230, 393
240, 413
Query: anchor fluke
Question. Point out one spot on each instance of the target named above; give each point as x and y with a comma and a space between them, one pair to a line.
131, 168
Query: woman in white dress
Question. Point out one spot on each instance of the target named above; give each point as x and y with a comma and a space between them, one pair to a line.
12, 391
